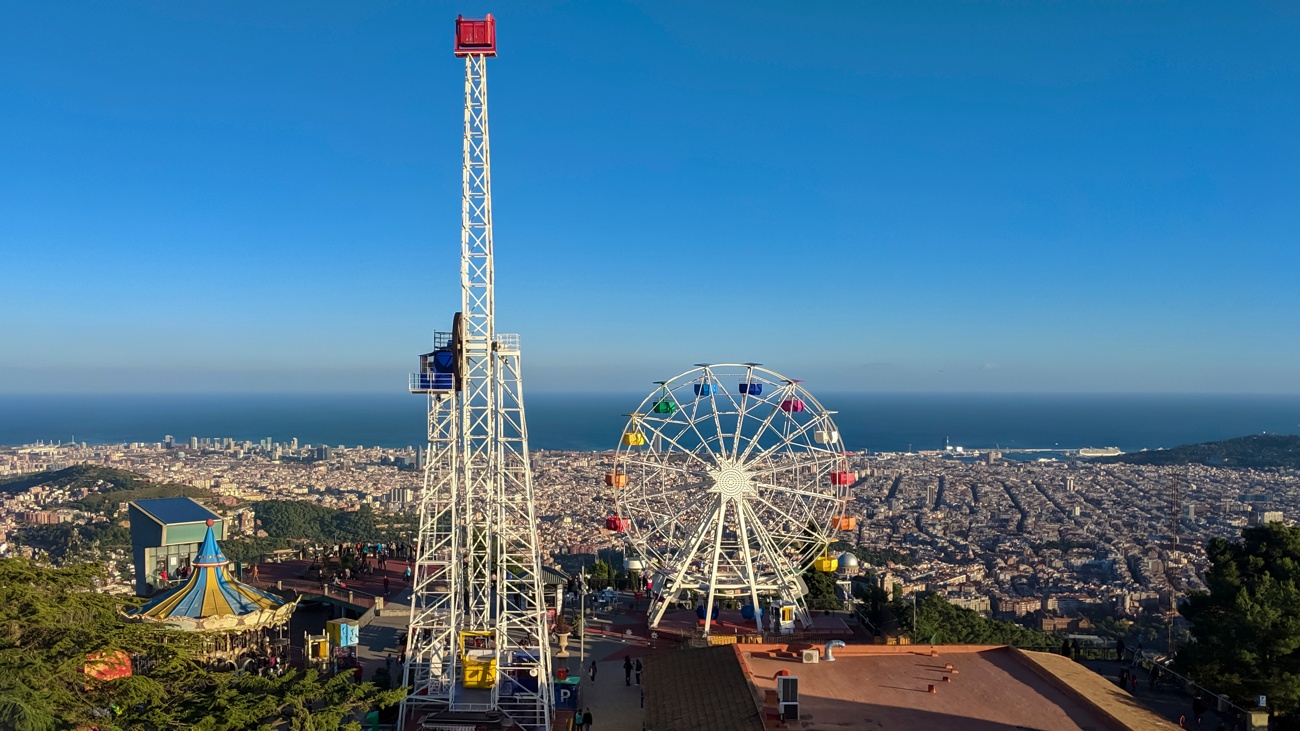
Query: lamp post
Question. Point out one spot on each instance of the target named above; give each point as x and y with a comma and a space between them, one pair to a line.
582, 618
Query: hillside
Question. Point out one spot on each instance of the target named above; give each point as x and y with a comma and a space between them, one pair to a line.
1257, 451
123, 486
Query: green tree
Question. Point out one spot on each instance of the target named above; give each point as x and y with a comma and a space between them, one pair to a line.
1246, 628
600, 575
821, 590
942, 622
50, 619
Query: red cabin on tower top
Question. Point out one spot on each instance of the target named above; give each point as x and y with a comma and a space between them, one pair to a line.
476, 37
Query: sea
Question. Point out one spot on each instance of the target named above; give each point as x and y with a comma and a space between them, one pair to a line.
594, 421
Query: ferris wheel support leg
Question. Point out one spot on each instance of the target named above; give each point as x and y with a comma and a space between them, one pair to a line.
684, 563
788, 578
749, 566
713, 571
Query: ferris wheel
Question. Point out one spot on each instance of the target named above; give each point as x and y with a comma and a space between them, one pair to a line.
730, 479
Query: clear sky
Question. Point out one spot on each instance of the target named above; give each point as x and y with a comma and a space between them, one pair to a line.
922, 196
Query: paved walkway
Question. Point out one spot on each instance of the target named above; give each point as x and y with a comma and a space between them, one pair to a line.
1168, 701
379, 640
614, 704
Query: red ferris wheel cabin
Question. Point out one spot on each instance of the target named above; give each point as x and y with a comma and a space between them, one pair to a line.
476, 37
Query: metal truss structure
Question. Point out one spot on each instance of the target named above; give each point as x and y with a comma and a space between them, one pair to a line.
477, 648
731, 480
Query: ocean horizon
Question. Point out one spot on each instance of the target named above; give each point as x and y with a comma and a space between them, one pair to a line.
594, 421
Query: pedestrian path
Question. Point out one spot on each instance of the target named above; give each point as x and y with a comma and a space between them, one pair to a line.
615, 705
1171, 702
380, 640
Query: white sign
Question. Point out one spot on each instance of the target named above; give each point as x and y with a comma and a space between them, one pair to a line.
1263, 701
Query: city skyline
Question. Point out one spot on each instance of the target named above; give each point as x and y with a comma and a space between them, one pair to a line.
939, 198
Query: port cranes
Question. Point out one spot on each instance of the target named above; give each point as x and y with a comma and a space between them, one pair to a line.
477, 647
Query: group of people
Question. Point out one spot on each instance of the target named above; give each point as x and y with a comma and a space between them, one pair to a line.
582, 719
631, 668
270, 665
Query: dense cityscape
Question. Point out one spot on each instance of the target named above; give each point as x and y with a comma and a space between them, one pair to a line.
1045, 541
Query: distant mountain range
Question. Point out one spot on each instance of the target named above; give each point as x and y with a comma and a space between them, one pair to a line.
1257, 451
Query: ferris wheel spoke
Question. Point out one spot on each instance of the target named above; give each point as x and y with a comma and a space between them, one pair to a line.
680, 449
786, 490
675, 491
780, 511
787, 436
818, 464
765, 423
629, 460
742, 411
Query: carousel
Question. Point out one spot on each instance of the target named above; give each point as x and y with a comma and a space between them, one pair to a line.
238, 621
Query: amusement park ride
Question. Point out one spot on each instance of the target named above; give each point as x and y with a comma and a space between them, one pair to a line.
730, 480
477, 650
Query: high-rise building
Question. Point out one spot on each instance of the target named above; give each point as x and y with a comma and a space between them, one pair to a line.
293, 443
169, 442
1069, 483
194, 442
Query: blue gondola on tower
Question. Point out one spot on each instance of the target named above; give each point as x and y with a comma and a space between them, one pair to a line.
703, 388
753, 389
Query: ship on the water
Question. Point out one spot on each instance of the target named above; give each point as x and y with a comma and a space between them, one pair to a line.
1102, 452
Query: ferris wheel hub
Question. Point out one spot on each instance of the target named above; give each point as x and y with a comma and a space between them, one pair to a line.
731, 481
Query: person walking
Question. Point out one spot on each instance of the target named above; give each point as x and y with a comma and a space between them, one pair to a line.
407, 575
627, 669
586, 719
593, 671
578, 720
255, 573
638, 667
1119, 650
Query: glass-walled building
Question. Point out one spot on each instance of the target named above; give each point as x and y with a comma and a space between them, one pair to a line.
165, 538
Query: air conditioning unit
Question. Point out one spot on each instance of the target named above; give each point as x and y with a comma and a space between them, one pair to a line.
787, 689
811, 657
789, 711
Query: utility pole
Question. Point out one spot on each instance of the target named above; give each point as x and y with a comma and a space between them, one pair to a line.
582, 618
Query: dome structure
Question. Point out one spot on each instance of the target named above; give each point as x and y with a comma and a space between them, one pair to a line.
214, 600
848, 562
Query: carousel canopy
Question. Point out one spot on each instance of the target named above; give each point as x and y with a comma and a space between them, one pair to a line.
212, 599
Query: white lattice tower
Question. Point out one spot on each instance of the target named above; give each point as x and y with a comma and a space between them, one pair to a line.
478, 568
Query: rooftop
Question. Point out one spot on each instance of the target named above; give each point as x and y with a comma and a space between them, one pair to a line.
175, 510
698, 689
887, 688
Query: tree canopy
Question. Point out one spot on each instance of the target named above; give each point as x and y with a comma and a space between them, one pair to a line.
1246, 628
51, 618
297, 519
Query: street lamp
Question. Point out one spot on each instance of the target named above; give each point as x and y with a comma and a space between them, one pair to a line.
582, 618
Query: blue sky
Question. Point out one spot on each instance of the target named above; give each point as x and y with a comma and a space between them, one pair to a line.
904, 196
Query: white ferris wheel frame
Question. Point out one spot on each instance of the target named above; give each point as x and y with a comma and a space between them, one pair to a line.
731, 494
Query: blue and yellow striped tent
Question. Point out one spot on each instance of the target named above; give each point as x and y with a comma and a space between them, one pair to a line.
212, 599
